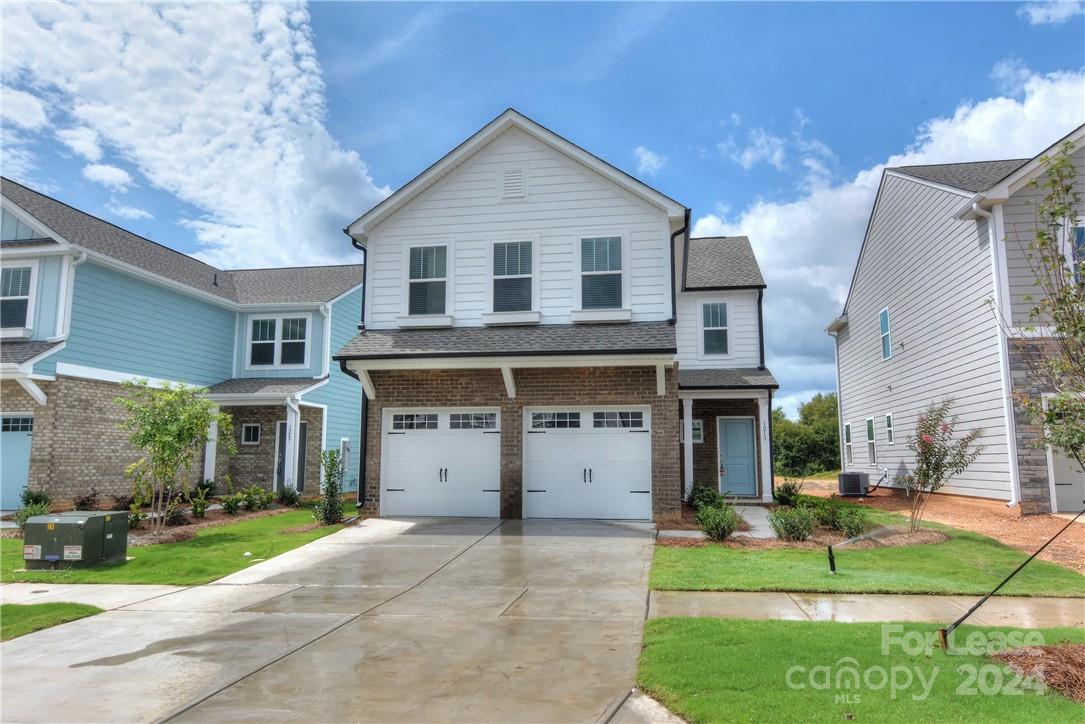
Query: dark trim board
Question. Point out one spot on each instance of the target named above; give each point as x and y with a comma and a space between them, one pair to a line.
531, 353
729, 387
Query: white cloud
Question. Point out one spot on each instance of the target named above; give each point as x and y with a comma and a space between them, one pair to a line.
761, 146
22, 109
648, 161
1011, 75
1051, 13
221, 105
807, 246
112, 177
128, 212
82, 140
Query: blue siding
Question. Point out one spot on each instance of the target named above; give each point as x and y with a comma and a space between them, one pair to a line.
316, 351
343, 393
47, 299
126, 324
12, 229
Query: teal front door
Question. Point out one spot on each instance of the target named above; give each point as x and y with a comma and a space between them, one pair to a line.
737, 456
16, 434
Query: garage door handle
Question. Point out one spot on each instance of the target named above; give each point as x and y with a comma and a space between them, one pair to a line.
446, 475
589, 475
441, 474
584, 474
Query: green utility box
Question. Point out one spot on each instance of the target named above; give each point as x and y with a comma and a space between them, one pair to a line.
75, 540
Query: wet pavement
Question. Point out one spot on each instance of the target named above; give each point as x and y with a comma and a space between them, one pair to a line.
390, 620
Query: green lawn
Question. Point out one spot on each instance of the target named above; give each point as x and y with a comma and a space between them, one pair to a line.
18, 619
968, 563
211, 554
714, 670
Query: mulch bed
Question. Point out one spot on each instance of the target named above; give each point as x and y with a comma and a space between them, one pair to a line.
178, 533
1061, 667
885, 537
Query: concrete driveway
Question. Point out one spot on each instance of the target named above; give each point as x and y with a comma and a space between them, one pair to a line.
391, 620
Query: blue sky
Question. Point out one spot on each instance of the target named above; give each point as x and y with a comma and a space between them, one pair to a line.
251, 135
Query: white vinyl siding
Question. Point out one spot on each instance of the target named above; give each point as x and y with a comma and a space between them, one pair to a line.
743, 342
934, 273
564, 202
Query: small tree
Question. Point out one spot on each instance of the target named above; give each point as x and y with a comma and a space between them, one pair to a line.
938, 456
170, 425
329, 510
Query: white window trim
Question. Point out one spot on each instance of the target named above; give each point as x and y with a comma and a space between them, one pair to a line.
870, 429
435, 320
890, 432
525, 316
249, 366
247, 425
849, 451
888, 333
701, 354
28, 329
619, 314
698, 432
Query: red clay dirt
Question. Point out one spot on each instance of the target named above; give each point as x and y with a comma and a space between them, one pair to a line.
986, 517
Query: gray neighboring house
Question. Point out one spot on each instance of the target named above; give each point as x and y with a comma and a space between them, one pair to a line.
944, 257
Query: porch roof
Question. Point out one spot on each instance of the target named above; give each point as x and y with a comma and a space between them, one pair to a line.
726, 379
17, 351
262, 386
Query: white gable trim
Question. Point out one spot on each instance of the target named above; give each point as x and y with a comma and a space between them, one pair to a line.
1033, 168
511, 118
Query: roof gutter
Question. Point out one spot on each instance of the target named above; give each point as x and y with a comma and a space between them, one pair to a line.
674, 280
365, 273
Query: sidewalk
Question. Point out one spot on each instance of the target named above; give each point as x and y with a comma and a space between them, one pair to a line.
107, 596
1014, 611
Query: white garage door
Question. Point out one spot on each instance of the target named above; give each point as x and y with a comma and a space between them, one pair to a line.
590, 462
441, 462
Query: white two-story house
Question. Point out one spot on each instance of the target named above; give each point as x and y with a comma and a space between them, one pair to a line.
542, 338
939, 307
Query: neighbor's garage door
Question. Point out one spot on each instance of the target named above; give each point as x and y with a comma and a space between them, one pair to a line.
441, 462
588, 463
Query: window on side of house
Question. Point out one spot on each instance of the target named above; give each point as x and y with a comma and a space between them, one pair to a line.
871, 446
427, 279
1077, 253
262, 342
698, 432
848, 457
889, 429
601, 272
887, 341
278, 341
250, 433
512, 276
714, 316
15, 294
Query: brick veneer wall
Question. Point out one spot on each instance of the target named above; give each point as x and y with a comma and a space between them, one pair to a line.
580, 386
1031, 455
705, 462
255, 464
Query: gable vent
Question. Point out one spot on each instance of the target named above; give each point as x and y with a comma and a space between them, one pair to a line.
515, 184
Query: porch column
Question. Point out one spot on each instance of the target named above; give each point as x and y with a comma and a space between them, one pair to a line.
210, 450
290, 459
687, 446
766, 457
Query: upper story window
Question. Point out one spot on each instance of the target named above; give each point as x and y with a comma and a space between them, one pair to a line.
887, 342
601, 272
279, 342
512, 276
427, 280
17, 296
715, 327
848, 457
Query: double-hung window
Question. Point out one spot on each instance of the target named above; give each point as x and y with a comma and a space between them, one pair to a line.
889, 429
871, 447
848, 457
427, 280
715, 327
601, 272
279, 342
887, 342
512, 276
16, 294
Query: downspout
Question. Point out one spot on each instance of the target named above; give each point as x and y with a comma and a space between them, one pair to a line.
772, 450
326, 313
69, 296
1003, 354
365, 275
761, 327
839, 404
674, 281
362, 435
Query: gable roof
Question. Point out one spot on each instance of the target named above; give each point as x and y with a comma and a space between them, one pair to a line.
510, 118
973, 176
721, 262
288, 285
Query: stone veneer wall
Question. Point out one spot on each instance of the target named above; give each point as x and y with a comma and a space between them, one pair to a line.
705, 462
1031, 457
580, 386
255, 464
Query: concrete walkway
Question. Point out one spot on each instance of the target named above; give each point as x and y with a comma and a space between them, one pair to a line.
865, 607
757, 517
390, 620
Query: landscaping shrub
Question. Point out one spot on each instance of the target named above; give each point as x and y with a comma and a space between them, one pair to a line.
788, 493
136, 516
254, 498
718, 522
329, 510
26, 512
231, 504
827, 513
175, 514
199, 503
123, 502
792, 523
88, 500
853, 521
30, 497
208, 488
705, 496
288, 497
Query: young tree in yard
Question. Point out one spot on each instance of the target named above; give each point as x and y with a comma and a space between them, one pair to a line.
938, 456
329, 510
1057, 256
170, 425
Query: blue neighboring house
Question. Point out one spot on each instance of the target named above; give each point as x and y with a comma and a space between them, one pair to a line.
87, 305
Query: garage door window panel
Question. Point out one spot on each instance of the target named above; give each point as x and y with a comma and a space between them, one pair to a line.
618, 419
555, 420
415, 421
472, 421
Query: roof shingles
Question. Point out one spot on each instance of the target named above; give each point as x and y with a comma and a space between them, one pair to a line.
974, 176
726, 378
721, 262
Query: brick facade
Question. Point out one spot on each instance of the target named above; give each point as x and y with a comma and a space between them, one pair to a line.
1031, 454
705, 455
255, 464
580, 386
